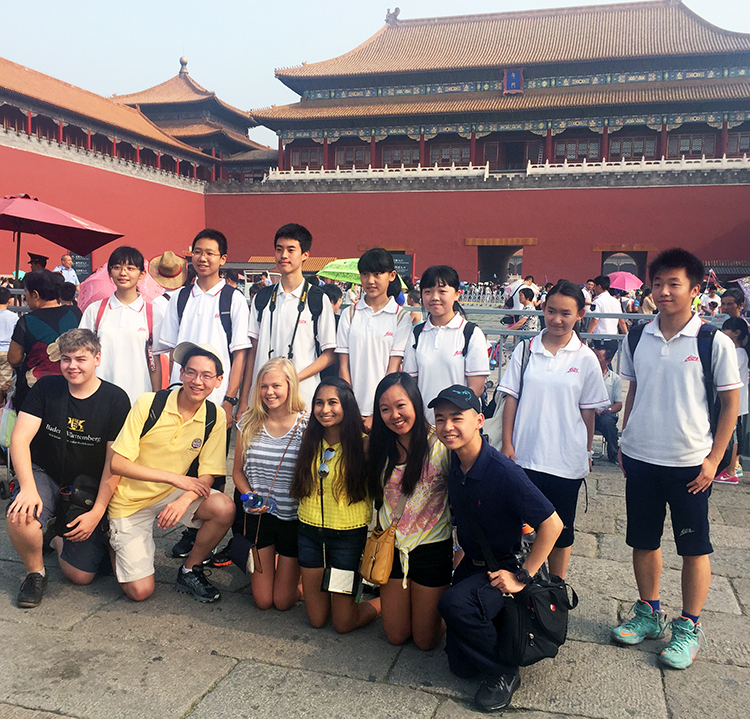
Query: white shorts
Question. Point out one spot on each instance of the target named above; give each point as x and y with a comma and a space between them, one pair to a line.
132, 537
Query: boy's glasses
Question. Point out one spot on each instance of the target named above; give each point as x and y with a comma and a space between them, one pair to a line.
192, 374
328, 455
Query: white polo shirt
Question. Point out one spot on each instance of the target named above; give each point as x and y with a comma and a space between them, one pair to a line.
201, 323
669, 423
438, 361
549, 434
123, 332
285, 317
371, 339
605, 303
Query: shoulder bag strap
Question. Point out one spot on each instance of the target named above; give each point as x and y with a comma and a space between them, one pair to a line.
100, 314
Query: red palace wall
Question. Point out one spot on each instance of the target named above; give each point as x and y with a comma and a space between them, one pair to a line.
711, 221
151, 216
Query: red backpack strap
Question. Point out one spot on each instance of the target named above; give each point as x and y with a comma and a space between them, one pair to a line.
150, 321
100, 313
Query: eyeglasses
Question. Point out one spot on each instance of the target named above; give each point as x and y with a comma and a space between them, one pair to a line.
328, 455
202, 253
192, 374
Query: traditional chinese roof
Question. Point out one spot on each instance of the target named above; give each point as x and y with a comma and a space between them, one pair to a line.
564, 98
23, 82
182, 90
193, 132
659, 28
264, 157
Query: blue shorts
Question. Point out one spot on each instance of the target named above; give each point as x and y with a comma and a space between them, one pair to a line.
563, 493
343, 547
86, 556
648, 490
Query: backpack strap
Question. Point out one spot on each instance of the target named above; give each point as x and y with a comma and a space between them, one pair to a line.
417, 330
150, 322
315, 303
182, 299
225, 313
469, 328
352, 310
634, 337
157, 407
705, 338
100, 314
262, 297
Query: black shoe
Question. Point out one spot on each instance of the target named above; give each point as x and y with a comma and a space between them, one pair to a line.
195, 583
221, 557
495, 694
185, 545
32, 590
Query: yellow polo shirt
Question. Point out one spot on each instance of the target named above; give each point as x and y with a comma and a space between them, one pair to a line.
170, 445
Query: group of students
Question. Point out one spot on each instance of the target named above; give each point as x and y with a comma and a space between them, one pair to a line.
399, 432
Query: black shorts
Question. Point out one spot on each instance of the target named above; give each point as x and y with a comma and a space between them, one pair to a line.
648, 490
278, 533
563, 493
430, 565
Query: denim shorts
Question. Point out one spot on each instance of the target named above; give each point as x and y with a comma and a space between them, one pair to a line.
87, 556
343, 547
563, 493
648, 490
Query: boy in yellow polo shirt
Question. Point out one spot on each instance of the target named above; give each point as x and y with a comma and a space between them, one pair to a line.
153, 467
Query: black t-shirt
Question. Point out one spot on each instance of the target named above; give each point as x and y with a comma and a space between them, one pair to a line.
500, 496
89, 424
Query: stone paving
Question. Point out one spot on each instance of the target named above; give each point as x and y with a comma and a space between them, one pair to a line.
90, 653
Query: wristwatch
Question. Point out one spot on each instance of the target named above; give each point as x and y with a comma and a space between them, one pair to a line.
523, 576
232, 400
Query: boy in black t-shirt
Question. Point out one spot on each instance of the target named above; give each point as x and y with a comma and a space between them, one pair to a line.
65, 429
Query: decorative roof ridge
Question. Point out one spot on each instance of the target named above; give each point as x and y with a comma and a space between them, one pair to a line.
172, 139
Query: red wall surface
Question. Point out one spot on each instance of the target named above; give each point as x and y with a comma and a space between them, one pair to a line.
152, 217
711, 221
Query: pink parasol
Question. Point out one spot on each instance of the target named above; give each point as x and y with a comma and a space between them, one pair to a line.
624, 281
100, 286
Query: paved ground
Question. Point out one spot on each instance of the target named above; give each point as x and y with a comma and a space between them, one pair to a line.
89, 653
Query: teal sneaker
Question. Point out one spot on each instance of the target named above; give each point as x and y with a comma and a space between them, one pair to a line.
683, 646
645, 624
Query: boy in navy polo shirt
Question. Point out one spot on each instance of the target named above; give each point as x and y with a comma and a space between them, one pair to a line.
669, 454
490, 492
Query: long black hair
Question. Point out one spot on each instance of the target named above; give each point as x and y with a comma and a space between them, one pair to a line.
383, 442
443, 276
353, 461
378, 259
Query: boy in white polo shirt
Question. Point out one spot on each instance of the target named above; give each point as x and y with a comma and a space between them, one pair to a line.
603, 302
670, 452
296, 320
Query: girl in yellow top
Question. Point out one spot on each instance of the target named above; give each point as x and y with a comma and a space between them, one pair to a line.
330, 482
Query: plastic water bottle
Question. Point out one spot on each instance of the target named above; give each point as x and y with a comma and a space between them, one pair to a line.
253, 500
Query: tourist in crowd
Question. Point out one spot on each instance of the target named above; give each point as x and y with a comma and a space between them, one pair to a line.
563, 377
529, 323
336, 297
439, 353
670, 452
372, 334
66, 269
8, 320
413, 300
127, 326
66, 429
30, 350
604, 302
291, 319
647, 305
408, 464
606, 417
330, 482
707, 298
588, 292
270, 434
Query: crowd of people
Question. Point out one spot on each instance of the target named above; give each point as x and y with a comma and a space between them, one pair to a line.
362, 417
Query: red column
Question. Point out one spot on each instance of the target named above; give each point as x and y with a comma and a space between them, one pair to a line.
158, 160
138, 154
177, 166
724, 139
195, 171
664, 140
473, 149
28, 122
88, 140
213, 166
372, 151
281, 154
60, 131
114, 147
325, 153
605, 143
422, 155
548, 146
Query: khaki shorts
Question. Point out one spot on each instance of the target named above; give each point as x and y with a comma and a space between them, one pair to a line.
132, 537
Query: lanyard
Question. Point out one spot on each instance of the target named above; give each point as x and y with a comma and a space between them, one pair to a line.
300, 309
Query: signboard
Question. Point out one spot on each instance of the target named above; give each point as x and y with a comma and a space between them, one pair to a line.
403, 263
82, 265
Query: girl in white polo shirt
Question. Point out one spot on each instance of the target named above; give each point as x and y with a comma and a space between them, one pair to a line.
442, 357
373, 333
548, 419
127, 327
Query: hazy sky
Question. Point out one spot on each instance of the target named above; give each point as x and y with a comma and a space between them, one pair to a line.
233, 46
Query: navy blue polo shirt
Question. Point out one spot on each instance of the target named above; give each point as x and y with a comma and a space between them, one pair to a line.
501, 498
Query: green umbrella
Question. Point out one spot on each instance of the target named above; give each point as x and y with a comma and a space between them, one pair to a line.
346, 271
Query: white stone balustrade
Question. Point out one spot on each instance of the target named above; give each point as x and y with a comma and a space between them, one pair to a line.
370, 172
642, 165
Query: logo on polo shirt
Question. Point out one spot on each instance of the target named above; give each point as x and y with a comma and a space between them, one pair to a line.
196, 443
573, 369
216, 316
692, 358
457, 353
388, 334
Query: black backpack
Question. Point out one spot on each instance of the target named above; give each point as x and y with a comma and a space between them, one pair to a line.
225, 309
157, 407
468, 332
314, 303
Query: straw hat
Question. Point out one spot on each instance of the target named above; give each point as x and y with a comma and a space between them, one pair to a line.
169, 270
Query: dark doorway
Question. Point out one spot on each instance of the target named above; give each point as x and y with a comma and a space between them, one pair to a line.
634, 262
493, 262
514, 155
